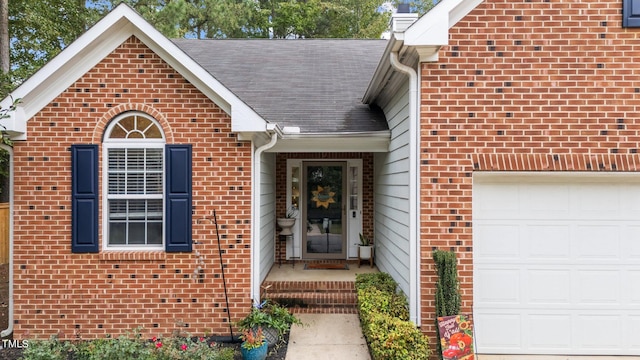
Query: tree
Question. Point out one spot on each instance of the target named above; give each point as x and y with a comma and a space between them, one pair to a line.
4, 36
225, 19
420, 7
39, 30
326, 19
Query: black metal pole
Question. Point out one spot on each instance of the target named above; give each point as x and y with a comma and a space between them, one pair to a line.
224, 280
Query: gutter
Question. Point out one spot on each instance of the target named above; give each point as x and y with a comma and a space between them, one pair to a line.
255, 212
9, 330
414, 209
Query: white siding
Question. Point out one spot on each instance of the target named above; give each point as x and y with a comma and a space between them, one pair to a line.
267, 213
392, 194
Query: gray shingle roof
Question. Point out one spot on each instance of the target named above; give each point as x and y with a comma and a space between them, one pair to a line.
314, 84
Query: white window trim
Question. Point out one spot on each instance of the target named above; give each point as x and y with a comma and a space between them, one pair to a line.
129, 144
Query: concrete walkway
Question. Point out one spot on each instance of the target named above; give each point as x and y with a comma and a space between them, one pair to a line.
327, 336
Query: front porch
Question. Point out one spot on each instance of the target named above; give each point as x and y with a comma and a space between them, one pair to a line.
307, 290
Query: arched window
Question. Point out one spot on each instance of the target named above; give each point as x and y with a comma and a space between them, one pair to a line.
133, 183
146, 190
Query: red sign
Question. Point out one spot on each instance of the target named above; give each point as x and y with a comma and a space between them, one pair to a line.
456, 337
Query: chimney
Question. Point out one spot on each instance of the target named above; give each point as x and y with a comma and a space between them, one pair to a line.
402, 18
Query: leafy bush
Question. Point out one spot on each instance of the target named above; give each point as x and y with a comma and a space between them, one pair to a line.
392, 338
130, 346
447, 286
373, 301
380, 280
448, 298
269, 314
52, 349
384, 315
123, 347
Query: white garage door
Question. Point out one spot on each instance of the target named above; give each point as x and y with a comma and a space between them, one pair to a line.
557, 264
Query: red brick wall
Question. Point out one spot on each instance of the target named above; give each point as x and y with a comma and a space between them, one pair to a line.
540, 85
367, 187
89, 295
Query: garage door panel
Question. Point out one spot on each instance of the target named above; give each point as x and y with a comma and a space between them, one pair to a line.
499, 285
598, 332
597, 241
587, 203
498, 330
557, 263
632, 283
535, 204
500, 240
547, 241
629, 332
503, 206
549, 287
631, 243
553, 339
600, 287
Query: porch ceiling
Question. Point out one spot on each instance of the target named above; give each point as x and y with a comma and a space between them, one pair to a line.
363, 142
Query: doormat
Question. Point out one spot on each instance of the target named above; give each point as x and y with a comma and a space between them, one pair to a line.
321, 266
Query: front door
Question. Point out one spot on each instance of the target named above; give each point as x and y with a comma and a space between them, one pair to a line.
323, 207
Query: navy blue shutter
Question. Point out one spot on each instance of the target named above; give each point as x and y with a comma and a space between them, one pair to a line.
178, 195
84, 198
631, 13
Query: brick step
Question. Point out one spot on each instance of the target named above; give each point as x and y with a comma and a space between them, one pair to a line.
269, 287
324, 310
313, 296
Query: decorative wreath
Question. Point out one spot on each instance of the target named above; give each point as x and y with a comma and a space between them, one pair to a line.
323, 197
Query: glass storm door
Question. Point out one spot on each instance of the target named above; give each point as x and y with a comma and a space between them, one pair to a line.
323, 208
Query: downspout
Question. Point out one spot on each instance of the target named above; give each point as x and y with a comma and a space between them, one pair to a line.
6, 332
255, 213
414, 215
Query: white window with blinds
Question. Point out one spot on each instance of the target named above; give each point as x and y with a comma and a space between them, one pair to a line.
134, 186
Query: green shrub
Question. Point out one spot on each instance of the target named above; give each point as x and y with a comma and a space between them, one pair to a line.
448, 297
123, 347
372, 300
380, 280
269, 314
392, 338
51, 349
130, 346
384, 315
447, 286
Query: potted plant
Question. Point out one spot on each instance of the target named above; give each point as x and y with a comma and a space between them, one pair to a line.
365, 248
274, 320
254, 346
287, 222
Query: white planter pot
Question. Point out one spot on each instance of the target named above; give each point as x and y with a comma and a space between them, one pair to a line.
286, 224
365, 252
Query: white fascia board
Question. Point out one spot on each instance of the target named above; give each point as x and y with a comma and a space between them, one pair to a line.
432, 29
377, 141
93, 46
380, 76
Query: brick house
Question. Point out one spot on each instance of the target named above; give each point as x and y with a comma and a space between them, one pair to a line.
507, 131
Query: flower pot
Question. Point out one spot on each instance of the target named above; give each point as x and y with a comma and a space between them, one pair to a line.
255, 354
286, 224
365, 252
271, 335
